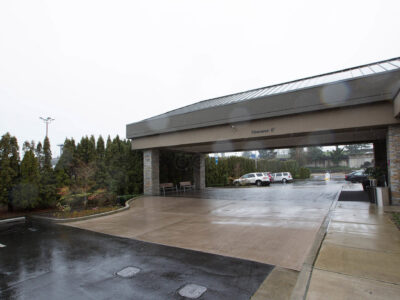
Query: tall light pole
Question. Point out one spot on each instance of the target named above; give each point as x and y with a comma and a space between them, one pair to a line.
47, 121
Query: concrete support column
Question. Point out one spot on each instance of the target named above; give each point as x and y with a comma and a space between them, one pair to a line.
199, 171
393, 153
380, 156
151, 172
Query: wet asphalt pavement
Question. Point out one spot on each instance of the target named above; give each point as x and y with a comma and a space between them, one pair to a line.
273, 225
58, 262
301, 192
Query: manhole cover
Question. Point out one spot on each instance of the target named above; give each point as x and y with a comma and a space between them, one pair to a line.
128, 272
192, 291
2, 246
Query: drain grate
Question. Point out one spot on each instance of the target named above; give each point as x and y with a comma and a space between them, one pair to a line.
128, 272
192, 291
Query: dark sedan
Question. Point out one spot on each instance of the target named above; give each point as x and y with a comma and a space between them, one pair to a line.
357, 176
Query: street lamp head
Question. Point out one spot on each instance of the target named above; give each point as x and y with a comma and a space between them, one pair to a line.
48, 119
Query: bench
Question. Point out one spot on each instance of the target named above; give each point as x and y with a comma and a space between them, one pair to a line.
169, 186
186, 185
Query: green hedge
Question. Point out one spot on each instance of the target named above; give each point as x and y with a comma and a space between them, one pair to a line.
304, 173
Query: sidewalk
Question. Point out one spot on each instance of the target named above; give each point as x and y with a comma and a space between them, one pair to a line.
359, 257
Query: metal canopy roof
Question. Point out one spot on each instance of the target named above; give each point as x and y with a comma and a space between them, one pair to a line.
356, 72
369, 83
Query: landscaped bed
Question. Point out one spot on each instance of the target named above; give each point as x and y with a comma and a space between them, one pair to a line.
76, 213
67, 211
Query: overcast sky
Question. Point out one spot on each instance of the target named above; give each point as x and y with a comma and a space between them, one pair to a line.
95, 66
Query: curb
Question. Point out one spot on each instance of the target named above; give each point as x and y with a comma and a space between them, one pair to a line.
303, 281
69, 220
11, 220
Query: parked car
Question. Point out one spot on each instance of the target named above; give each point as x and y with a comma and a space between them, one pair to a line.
356, 176
282, 177
258, 179
269, 174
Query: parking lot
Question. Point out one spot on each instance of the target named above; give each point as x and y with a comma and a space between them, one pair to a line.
274, 225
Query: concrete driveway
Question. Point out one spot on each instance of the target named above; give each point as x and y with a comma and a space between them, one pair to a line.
275, 225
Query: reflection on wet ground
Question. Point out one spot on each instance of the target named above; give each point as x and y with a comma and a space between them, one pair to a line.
274, 225
58, 262
275, 192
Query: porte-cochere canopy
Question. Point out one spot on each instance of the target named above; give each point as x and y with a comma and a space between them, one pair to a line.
355, 105
337, 96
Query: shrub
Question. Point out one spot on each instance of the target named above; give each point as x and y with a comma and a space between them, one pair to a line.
102, 198
75, 200
25, 196
304, 173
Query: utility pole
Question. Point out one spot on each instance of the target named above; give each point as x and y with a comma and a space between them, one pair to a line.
47, 121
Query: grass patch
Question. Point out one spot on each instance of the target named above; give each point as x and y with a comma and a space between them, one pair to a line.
396, 219
83, 212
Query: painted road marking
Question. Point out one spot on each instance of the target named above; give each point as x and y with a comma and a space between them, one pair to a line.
2, 246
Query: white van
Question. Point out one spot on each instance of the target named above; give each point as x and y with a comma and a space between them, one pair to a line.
282, 177
258, 179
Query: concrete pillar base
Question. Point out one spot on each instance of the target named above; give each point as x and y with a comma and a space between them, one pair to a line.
151, 172
199, 171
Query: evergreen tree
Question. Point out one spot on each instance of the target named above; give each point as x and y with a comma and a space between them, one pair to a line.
28, 146
86, 150
39, 154
14, 158
30, 167
100, 149
134, 170
65, 168
9, 168
117, 164
26, 193
101, 175
47, 154
92, 145
47, 178
108, 154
